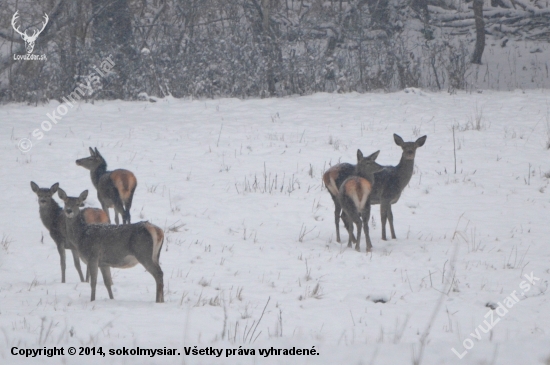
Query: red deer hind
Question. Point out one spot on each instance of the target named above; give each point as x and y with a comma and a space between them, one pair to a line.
391, 181
54, 220
115, 189
354, 197
109, 246
333, 179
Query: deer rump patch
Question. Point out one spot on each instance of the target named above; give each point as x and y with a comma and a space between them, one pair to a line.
94, 216
329, 178
358, 190
125, 182
158, 238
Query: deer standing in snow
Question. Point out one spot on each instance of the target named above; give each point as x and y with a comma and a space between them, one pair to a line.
390, 182
53, 219
122, 246
354, 197
114, 188
333, 179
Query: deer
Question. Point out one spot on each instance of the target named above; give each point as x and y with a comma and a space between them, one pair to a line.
354, 197
392, 180
115, 189
29, 39
121, 246
53, 219
333, 179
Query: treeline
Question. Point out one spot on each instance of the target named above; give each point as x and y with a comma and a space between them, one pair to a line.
250, 48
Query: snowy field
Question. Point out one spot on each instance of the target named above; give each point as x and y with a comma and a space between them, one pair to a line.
250, 259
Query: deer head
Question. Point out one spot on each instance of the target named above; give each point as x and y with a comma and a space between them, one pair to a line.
29, 40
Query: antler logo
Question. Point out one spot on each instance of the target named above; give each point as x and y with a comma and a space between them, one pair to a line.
29, 40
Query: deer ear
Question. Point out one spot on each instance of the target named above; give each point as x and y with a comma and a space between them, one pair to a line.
420, 141
97, 152
54, 187
34, 187
398, 140
61, 193
92, 153
359, 155
374, 156
83, 196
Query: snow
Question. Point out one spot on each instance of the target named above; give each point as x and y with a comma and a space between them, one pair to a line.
250, 257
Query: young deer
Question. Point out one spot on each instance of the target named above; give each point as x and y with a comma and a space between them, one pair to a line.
115, 189
391, 181
53, 219
354, 197
114, 246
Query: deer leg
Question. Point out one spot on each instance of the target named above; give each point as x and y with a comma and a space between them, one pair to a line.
337, 211
390, 219
346, 224
107, 280
383, 218
119, 209
76, 260
155, 270
359, 224
93, 264
128, 204
87, 273
366, 217
61, 250
105, 208
349, 227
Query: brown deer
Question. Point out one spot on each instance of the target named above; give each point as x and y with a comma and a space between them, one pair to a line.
115, 189
354, 197
53, 219
120, 246
333, 179
391, 181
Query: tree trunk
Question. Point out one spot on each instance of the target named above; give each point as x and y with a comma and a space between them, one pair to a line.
112, 35
421, 7
480, 31
269, 47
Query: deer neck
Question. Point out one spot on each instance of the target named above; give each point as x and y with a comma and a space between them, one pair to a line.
75, 228
404, 171
97, 173
50, 214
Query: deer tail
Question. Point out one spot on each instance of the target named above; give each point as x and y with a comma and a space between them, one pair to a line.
157, 236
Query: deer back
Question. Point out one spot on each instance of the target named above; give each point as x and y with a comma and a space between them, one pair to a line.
335, 175
95, 216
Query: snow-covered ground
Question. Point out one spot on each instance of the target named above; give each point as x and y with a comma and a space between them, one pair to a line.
250, 259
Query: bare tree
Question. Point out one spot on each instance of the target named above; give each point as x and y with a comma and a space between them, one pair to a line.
480, 32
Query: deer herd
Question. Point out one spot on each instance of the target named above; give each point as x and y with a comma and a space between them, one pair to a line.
90, 237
